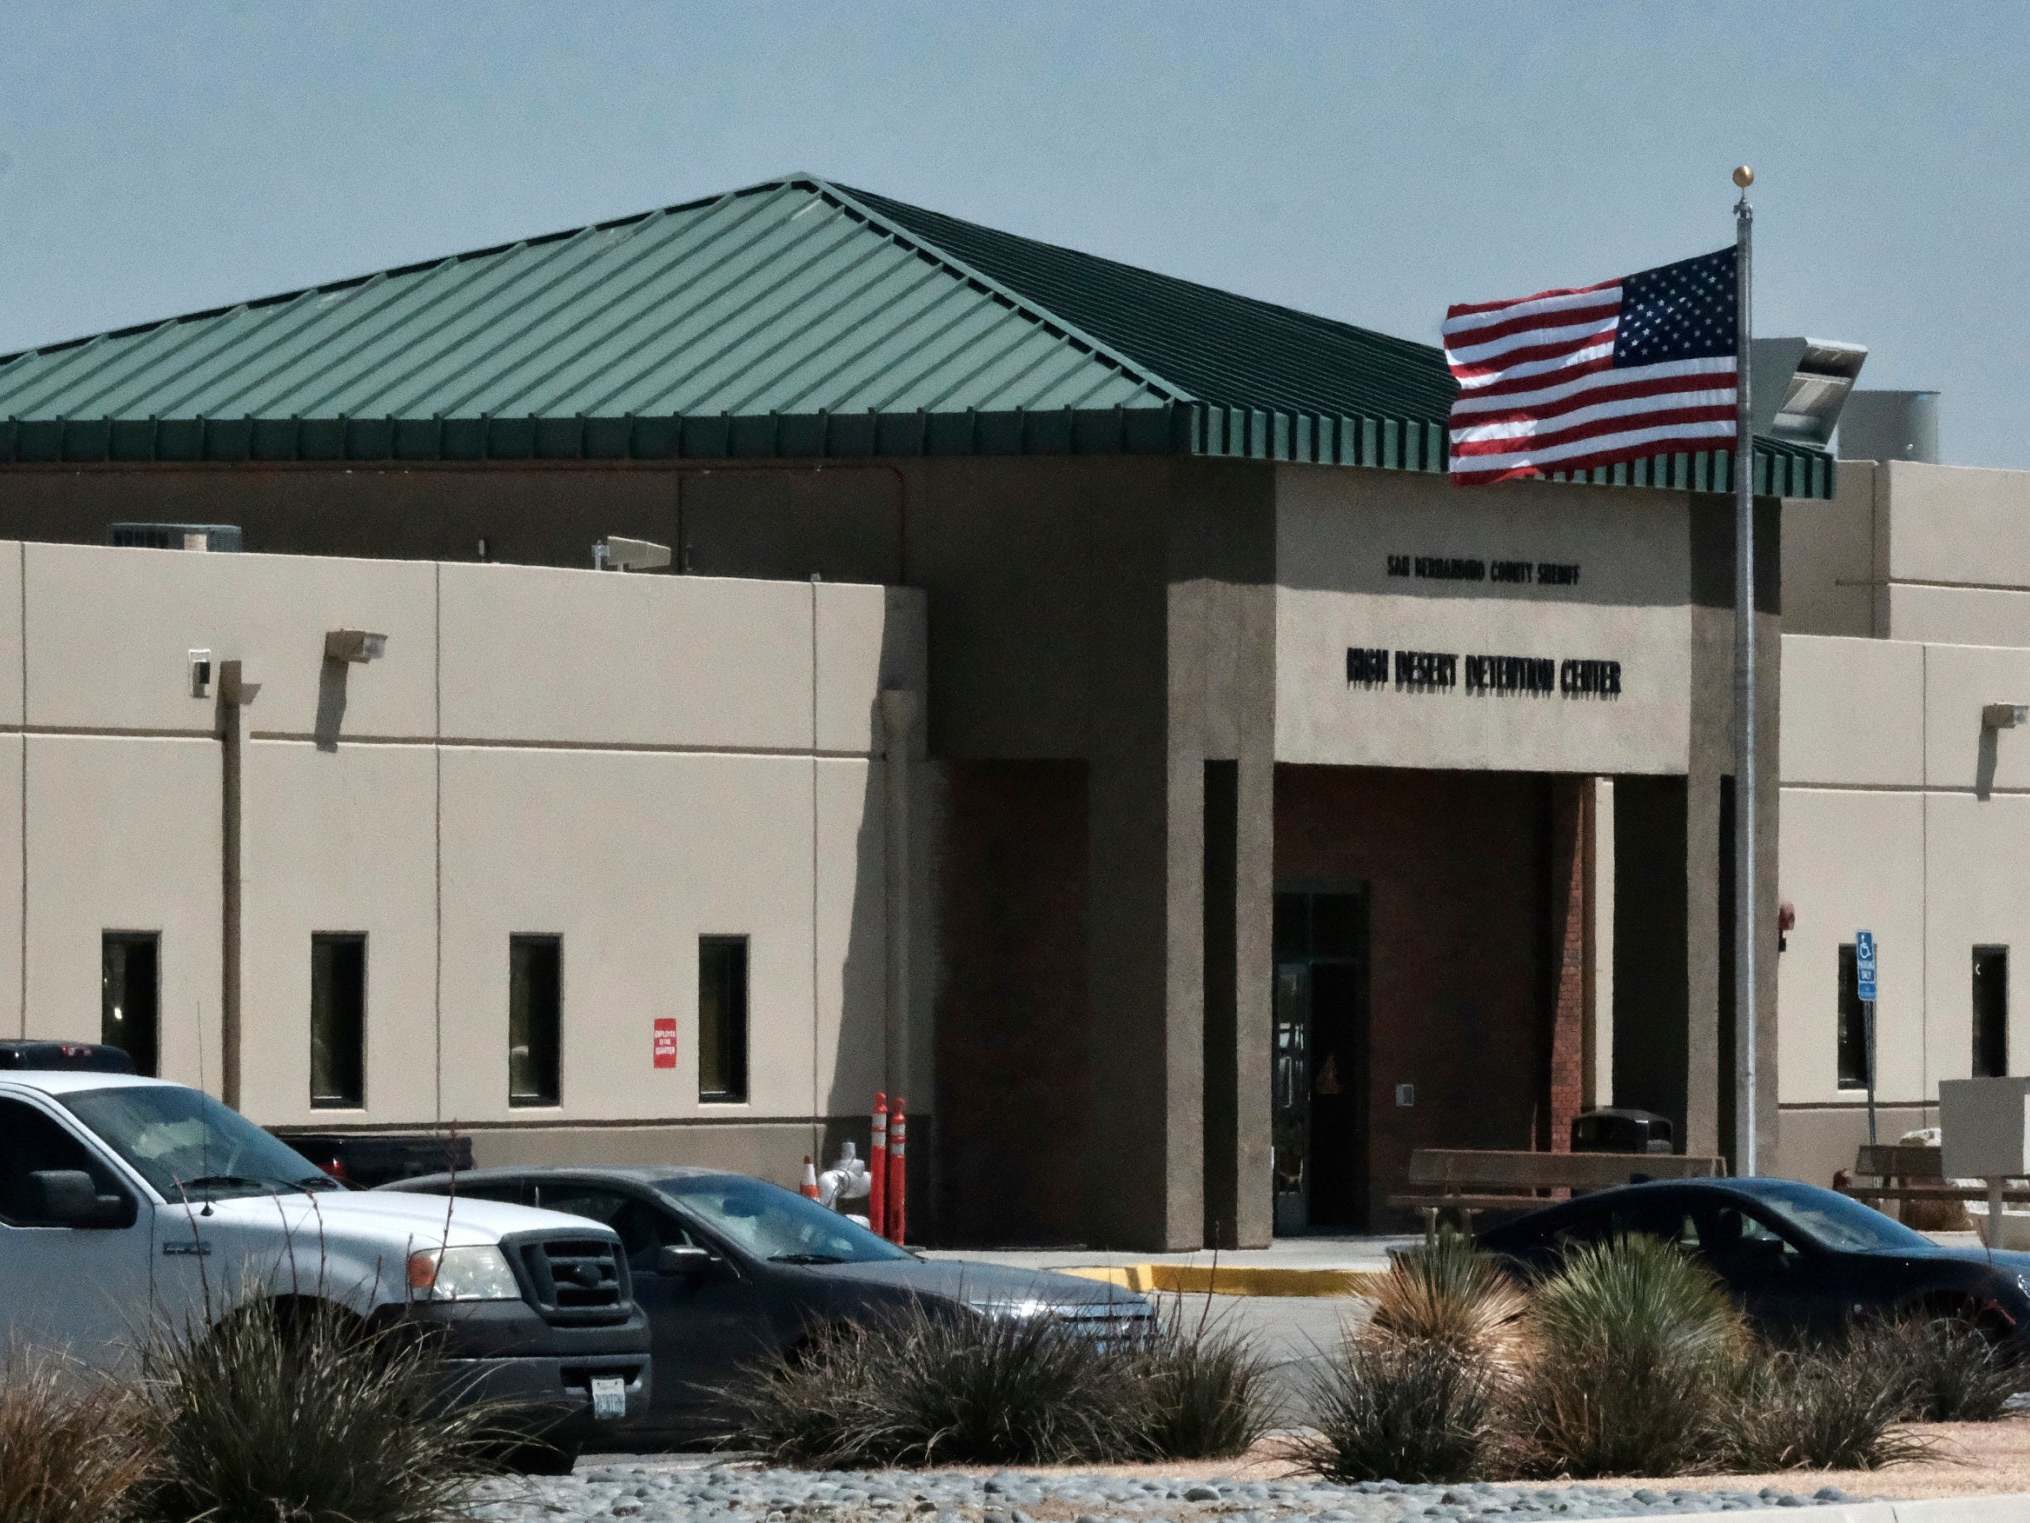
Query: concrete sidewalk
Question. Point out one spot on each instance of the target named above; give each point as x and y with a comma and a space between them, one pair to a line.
1296, 1266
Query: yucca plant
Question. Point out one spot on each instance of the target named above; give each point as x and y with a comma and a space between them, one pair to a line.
1400, 1409
1636, 1350
290, 1415
71, 1450
1450, 1294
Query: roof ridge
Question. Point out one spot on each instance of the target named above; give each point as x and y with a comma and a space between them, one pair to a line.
1139, 269
855, 202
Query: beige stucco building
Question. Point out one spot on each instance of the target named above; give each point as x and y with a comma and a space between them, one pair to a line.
1077, 700
623, 770
1904, 811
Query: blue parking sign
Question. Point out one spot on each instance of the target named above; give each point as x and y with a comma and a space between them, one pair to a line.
1864, 965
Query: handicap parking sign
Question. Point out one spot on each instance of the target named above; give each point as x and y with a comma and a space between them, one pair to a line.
1864, 965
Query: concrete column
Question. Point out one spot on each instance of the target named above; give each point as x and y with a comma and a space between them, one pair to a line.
901, 716
1143, 1160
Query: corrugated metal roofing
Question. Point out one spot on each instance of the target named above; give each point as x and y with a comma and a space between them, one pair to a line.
791, 318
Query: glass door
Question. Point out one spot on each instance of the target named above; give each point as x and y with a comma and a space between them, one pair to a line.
1290, 1101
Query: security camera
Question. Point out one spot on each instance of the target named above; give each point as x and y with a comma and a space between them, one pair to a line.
2004, 716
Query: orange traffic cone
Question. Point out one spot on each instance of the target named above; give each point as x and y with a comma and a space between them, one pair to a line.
808, 1187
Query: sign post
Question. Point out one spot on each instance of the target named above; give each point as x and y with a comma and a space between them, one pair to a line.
1864, 988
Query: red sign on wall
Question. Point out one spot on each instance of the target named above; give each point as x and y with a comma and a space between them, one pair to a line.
666, 1041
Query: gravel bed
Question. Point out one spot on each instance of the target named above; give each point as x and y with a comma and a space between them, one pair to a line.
711, 1491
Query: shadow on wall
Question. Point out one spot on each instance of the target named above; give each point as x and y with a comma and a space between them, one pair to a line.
331, 687
1984, 765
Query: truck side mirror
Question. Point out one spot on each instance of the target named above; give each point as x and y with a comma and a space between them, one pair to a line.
677, 1262
69, 1198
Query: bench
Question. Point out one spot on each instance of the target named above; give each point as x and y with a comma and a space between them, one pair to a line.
1913, 1177
1461, 1181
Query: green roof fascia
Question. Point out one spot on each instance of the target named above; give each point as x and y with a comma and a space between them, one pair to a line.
1053, 431
1414, 444
1380, 443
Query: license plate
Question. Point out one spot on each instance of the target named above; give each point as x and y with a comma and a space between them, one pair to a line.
609, 1397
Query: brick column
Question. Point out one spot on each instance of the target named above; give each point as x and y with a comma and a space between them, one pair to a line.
1565, 1048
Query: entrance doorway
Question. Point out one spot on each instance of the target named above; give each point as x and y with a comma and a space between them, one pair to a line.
1318, 1062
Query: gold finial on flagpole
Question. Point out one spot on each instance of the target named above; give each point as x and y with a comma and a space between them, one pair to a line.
1744, 175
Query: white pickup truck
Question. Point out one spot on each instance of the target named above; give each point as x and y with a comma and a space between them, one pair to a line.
127, 1201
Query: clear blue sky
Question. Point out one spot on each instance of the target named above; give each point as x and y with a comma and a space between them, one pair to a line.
1369, 162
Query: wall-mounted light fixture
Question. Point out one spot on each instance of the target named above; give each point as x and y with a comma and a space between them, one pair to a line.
2004, 716
614, 553
354, 645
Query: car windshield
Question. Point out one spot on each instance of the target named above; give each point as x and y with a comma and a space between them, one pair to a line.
187, 1145
1834, 1221
771, 1223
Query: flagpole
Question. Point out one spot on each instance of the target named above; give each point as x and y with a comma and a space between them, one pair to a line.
1745, 1024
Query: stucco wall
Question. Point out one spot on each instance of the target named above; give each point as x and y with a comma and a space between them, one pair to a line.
1900, 814
1336, 534
627, 762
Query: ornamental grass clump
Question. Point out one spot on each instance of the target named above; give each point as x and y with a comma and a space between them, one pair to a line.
1820, 1408
1945, 1368
1204, 1387
1636, 1354
285, 1414
1449, 1294
71, 1450
1392, 1408
922, 1387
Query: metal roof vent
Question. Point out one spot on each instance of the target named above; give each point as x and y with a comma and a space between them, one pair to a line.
1801, 385
1891, 425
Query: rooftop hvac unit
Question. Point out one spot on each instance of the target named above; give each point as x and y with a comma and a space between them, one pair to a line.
1891, 425
175, 536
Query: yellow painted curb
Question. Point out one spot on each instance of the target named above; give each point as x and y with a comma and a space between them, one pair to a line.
1234, 1280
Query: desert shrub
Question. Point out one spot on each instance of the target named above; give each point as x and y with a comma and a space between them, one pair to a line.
1944, 1368
1401, 1409
1204, 1387
1636, 1354
293, 1416
71, 1450
1449, 1294
1823, 1408
924, 1387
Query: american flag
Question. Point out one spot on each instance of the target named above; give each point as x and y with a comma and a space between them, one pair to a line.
1567, 380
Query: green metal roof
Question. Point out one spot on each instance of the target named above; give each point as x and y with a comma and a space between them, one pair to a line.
793, 318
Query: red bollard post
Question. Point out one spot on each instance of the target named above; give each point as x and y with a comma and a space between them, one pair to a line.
898, 1178
877, 1169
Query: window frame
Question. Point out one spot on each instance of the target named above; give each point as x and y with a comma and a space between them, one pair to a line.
108, 938
553, 1097
1976, 1044
737, 1051
337, 1102
1847, 1006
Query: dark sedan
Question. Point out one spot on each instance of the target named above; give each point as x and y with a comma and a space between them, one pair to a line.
730, 1267
1796, 1257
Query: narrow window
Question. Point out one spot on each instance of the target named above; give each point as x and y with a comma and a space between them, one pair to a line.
130, 993
722, 1018
1991, 1012
535, 1018
1853, 1028
338, 1019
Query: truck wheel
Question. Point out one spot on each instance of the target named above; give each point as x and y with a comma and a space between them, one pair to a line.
539, 1456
